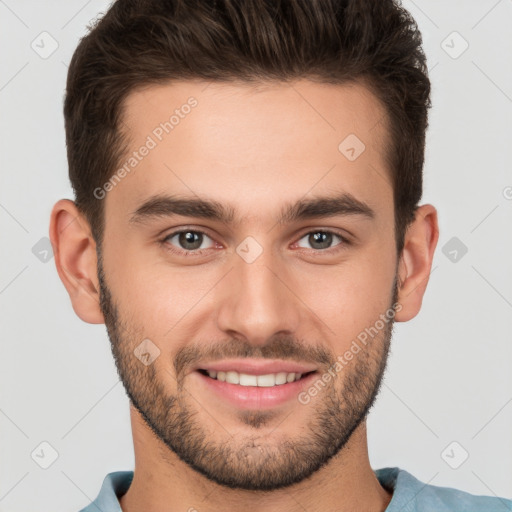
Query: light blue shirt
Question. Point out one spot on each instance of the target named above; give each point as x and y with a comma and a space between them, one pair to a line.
409, 495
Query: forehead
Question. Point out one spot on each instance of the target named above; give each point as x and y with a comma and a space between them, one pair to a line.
245, 144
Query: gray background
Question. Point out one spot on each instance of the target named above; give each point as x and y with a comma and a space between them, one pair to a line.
449, 378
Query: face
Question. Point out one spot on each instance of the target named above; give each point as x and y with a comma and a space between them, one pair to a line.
252, 241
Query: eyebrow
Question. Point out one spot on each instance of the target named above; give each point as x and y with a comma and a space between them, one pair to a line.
158, 206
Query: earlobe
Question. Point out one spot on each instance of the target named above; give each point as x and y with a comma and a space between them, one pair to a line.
74, 250
416, 261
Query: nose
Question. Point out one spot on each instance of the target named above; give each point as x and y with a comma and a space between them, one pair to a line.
257, 301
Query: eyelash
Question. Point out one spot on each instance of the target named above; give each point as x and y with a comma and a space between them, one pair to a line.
199, 252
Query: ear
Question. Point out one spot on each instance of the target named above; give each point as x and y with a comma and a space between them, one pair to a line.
416, 261
74, 251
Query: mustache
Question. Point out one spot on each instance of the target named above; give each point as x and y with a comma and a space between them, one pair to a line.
278, 347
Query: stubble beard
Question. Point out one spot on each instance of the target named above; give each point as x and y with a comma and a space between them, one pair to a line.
254, 461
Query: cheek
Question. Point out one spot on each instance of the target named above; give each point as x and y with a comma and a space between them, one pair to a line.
158, 299
351, 296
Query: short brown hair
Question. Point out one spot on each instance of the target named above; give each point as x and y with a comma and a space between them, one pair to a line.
142, 42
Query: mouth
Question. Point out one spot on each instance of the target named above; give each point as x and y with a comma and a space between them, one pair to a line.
263, 381
254, 384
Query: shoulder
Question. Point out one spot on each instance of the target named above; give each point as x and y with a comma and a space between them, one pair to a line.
413, 495
114, 485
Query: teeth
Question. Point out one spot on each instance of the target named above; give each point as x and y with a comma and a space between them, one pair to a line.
281, 378
244, 379
266, 380
248, 380
232, 377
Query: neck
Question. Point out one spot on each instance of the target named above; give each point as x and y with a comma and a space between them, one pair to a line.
163, 482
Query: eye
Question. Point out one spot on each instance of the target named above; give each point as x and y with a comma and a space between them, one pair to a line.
187, 240
322, 240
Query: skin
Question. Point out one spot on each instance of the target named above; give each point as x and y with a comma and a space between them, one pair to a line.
255, 149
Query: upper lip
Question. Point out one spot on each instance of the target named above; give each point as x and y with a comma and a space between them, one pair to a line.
257, 366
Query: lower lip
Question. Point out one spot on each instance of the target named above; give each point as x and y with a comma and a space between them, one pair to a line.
255, 397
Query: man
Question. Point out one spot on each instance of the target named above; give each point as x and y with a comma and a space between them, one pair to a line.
284, 141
